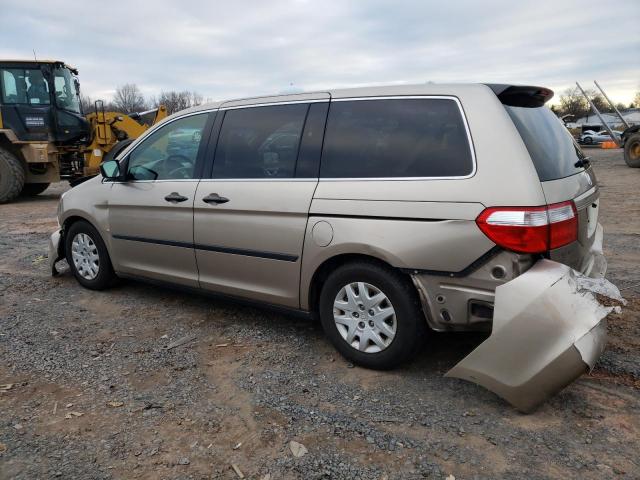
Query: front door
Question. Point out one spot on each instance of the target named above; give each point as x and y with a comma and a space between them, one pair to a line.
250, 217
151, 214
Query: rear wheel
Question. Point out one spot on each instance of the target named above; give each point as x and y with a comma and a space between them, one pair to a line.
632, 151
372, 315
12, 176
588, 140
33, 189
88, 257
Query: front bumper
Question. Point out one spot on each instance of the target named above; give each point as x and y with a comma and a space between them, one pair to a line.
54, 251
548, 329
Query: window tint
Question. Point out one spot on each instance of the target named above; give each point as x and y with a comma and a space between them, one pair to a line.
553, 150
395, 138
259, 142
170, 152
308, 165
24, 86
9, 88
65, 89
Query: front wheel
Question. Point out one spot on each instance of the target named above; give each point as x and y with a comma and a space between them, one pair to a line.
87, 257
372, 315
632, 150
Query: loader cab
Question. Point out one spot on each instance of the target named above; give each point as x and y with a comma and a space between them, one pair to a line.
40, 102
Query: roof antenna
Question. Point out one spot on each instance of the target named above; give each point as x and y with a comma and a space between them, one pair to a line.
34, 55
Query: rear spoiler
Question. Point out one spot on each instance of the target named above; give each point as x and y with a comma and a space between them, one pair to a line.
521, 96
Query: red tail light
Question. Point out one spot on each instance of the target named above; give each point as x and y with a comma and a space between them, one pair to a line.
531, 229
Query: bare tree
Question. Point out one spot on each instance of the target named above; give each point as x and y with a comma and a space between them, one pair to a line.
636, 101
86, 103
621, 106
599, 101
176, 101
573, 103
128, 98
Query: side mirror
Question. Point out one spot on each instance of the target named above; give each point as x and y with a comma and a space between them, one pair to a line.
110, 169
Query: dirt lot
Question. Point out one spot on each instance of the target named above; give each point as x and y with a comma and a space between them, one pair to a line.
96, 394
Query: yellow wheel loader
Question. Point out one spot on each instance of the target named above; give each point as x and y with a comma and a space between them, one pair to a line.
44, 134
111, 132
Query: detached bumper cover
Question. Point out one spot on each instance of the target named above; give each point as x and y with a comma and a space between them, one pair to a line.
548, 329
596, 266
54, 252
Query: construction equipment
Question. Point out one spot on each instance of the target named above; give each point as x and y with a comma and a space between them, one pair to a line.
630, 137
44, 135
112, 132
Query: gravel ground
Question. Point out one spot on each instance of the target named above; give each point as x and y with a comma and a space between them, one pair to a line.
96, 393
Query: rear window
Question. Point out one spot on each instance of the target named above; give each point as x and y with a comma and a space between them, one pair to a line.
395, 138
553, 150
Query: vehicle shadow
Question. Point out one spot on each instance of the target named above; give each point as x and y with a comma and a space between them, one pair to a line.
42, 198
440, 351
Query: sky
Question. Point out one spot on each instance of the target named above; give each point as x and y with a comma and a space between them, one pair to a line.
237, 48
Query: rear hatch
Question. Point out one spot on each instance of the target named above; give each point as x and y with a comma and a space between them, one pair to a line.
562, 167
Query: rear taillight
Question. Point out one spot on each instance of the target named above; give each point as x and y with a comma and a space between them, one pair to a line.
531, 229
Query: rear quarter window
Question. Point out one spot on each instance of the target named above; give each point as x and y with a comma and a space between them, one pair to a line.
551, 147
405, 138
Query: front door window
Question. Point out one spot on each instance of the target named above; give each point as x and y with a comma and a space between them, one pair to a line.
170, 152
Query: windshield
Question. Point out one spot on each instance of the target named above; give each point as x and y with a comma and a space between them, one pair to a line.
24, 86
65, 89
553, 150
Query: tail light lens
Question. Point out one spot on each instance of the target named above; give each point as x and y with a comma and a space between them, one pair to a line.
531, 229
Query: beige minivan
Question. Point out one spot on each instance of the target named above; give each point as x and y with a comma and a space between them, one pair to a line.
388, 212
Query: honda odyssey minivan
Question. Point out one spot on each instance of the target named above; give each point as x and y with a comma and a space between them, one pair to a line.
390, 213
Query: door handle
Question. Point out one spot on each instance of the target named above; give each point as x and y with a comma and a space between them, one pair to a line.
175, 197
215, 198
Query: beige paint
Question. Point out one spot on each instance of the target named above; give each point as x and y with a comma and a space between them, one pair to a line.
454, 294
268, 216
449, 245
546, 332
139, 209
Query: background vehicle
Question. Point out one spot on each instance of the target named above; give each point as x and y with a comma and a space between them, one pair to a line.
44, 135
629, 139
590, 137
40, 113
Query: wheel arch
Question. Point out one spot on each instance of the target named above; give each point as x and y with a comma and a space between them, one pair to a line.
76, 217
8, 141
330, 264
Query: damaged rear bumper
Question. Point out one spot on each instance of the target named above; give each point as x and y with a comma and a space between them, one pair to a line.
548, 329
54, 251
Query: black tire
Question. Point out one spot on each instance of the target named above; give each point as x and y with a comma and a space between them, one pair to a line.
105, 277
411, 327
33, 189
588, 140
632, 150
12, 176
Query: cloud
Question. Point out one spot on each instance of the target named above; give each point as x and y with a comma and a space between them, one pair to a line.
244, 48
